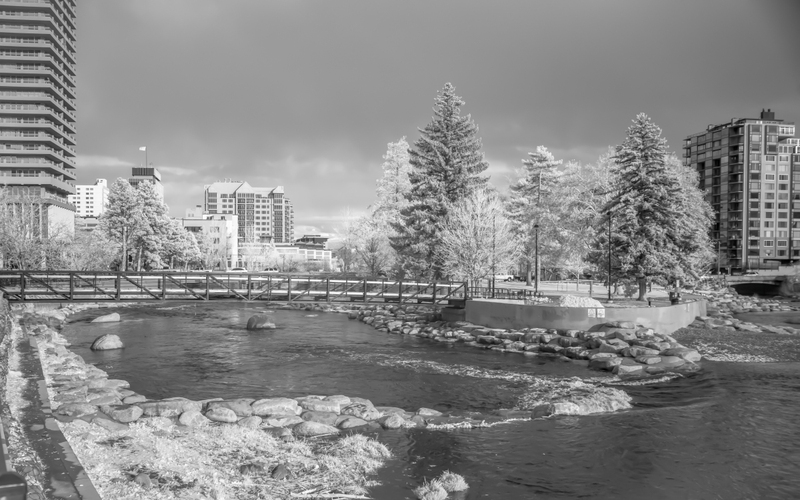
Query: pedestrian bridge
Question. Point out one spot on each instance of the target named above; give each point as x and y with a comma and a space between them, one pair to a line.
760, 284
79, 286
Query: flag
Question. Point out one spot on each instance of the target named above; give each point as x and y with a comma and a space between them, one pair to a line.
143, 148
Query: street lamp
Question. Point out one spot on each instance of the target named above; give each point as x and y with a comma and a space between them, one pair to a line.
609, 256
536, 259
719, 257
494, 271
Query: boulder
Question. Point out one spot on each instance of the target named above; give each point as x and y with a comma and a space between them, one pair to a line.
323, 417
606, 364
311, 429
241, 407
220, 414
168, 408
363, 411
648, 359
391, 421
107, 318
683, 352
109, 425
274, 406
107, 342
282, 421
76, 409
193, 418
250, 422
122, 413
136, 398
320, 405
576, 301
260, 322
427, 412
349, 422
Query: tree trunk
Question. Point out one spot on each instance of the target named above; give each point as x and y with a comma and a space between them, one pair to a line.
642, 281
528, 274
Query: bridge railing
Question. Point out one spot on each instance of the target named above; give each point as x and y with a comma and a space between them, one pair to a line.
114, 286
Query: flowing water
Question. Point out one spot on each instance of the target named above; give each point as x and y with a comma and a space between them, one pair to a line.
730, 431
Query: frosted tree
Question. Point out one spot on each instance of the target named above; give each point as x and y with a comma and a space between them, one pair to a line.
447, 163
477, 238
151, 236
122, 218
373, 251
395, 184
655, 227
534, 200
180, 246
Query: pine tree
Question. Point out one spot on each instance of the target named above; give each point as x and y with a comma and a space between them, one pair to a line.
394, 184
654, 231
122, 218
446, 165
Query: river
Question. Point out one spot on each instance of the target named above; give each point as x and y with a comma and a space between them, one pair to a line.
729, 431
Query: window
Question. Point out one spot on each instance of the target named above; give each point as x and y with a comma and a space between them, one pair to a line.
754, 204
769, 206
783, 243
769, 215
783, 215
768, 234
783, 206
769, 186
755, 186
755, 176
783, 223
783, 177
769, 243
781, 253
755, 196
769, 196
769, 177
769, 223
770, 158
783, 187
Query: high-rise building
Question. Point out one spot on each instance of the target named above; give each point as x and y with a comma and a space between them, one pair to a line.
265, 215
37, 105
147, 174
750, 171
90, 200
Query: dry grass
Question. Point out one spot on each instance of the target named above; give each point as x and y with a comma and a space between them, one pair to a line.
205, 463
452, 482
437, 489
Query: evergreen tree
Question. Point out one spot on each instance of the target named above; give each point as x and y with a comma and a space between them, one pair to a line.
152, 235
122, 218
655, 231
446, 165
394, 185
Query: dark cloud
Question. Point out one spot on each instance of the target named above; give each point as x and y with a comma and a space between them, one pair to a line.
307, 94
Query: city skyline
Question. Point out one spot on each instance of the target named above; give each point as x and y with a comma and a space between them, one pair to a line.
308, 95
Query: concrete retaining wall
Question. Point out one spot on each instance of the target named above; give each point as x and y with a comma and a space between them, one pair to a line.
665, 319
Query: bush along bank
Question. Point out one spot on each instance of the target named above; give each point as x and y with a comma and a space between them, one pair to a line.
623, 348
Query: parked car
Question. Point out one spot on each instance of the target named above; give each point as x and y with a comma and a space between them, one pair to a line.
750, 273
503, 277
237, 270
271, 270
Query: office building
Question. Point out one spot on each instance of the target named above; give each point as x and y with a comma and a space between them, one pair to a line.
147, 174
217, 236
37, 106
750, 171
265, 215
90, 200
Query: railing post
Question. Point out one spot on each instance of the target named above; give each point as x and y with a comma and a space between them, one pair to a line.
364, 293
119, 285
400, 293
289, 287
249, 285
22, 285
208, 283
163, 286
71, 286
466, 290
328, 289
434, 292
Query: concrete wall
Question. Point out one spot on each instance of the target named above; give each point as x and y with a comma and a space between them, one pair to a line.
665, 319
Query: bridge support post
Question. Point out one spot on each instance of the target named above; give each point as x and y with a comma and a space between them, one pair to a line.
289, 288
71, 286
208, 296
400, 292
22, 286
364, 293
328, 290
434, 293
163, 286
249, 286
118, 287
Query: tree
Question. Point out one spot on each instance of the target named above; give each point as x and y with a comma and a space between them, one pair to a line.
152, 234
87, 251
477, 238
122, 218
373, 251
347, 242
533, 201
394, 185
180, 246
446, 165
656, 224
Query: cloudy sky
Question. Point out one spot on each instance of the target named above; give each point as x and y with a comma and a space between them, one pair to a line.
306, 94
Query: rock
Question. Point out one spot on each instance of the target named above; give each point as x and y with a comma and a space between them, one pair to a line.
323, 417
391, 421
648, 359
157, 422
109, 425
627, 369
241, 407
282, 421
105, 400
107, 342
251, 469
168, 408
427, 412
250, 422
193, 418
310, 429
320, 405
606, 364
108, 318
274, 406
348, 422
683, 353
76, 409
124, 414
260, 322
137, 398
220, 414
362, 410
636, 351
342, 400
143, 480
279, 472
116, 384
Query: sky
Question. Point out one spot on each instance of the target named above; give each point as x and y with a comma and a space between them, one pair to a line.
307, 94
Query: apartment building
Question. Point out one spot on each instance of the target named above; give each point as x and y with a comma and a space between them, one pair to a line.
90, 200
265, 214
37, 106
750, 171
217, 236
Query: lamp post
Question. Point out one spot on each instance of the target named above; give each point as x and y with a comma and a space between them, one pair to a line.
719, 257
609, 256
494, 271
536, 259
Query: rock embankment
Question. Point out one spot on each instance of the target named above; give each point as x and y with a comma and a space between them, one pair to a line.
623, 348
723, 305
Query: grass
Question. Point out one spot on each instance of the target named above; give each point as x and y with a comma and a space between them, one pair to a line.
438, 488
208, 462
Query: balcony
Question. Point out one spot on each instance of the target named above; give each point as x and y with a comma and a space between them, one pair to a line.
39, 179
